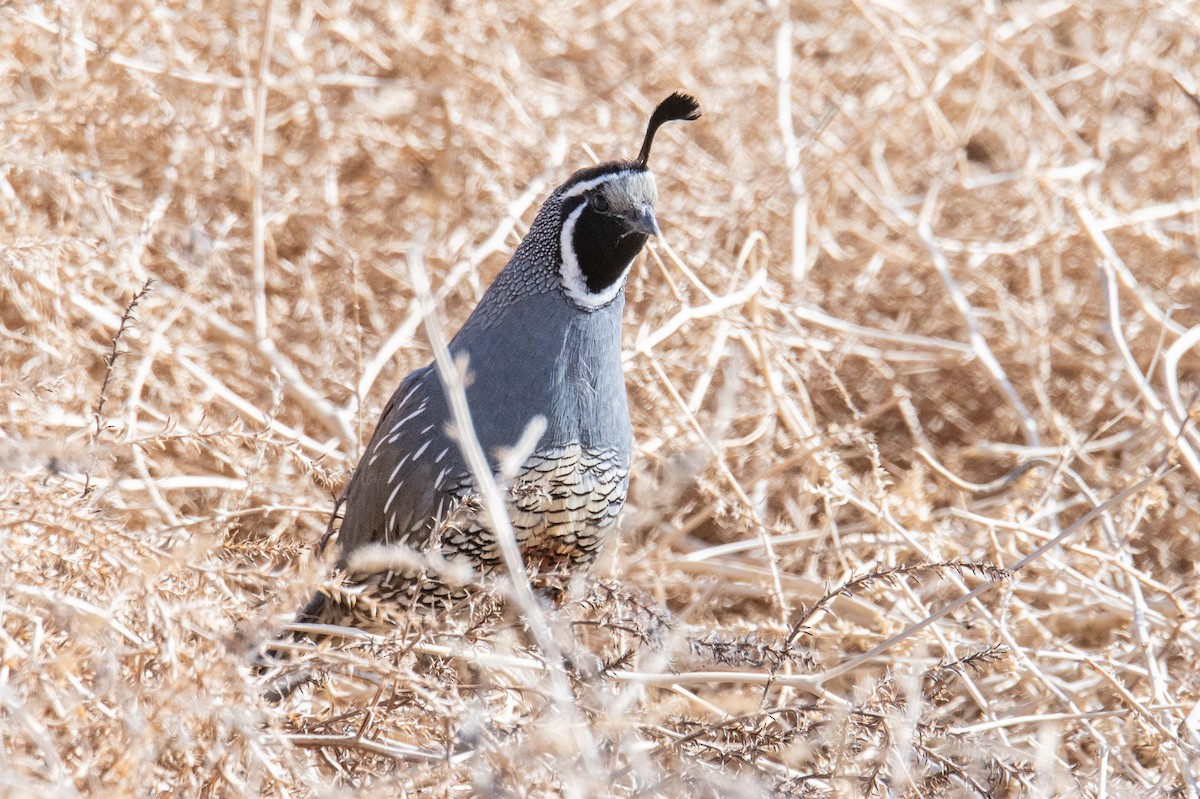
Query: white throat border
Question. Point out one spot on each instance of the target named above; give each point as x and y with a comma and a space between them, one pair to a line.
573, 280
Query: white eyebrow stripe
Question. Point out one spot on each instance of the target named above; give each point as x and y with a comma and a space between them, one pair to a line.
580, 188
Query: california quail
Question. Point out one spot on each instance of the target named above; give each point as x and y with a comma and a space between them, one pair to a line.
545, 340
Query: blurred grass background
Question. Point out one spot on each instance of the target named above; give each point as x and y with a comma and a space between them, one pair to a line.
909, 249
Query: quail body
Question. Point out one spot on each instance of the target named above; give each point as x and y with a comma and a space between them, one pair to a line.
544, 341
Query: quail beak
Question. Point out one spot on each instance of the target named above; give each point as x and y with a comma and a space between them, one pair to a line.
641, 220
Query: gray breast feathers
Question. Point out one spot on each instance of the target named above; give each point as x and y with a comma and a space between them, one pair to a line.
549, 359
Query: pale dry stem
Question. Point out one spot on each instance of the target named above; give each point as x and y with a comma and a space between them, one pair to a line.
927, 295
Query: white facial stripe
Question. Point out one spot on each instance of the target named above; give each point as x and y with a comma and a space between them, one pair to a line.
625, 190
574, 283
580, 188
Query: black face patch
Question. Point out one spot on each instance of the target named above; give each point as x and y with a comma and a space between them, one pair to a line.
604, 246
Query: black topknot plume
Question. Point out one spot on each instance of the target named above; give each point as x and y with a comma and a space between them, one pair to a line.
678, 106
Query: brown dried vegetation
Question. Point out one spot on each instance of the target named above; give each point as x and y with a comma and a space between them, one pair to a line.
927, 302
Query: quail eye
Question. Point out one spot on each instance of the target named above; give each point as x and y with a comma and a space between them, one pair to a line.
600, 203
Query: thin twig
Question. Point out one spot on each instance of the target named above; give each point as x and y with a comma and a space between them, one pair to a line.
452, 374
258, 222
908, 632
111, 359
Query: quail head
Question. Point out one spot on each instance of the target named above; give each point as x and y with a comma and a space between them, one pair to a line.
545, 341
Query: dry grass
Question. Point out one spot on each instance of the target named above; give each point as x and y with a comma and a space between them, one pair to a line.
969, 251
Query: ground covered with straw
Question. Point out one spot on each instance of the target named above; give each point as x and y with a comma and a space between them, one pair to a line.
915, 507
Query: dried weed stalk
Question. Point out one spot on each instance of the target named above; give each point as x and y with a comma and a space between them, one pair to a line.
912, 252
